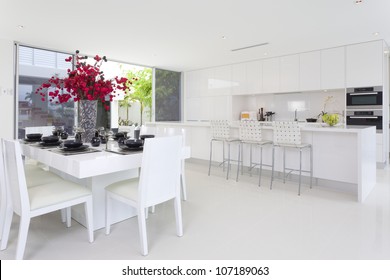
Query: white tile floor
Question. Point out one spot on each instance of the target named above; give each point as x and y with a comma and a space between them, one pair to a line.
229, 220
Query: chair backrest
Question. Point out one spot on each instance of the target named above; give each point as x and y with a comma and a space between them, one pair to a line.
3, 190
173, 131
220, 129
286, 133
250, 130
160, 170
45, 130
15, 176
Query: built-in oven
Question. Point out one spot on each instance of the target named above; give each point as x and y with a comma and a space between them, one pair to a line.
366, 118
364, 98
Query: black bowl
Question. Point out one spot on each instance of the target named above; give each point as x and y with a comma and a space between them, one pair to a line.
133, 143
72, 144
119, 135
311, 120
50, 139
144, 136
34, 136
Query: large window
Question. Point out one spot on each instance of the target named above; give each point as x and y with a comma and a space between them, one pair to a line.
36, 66
167, 95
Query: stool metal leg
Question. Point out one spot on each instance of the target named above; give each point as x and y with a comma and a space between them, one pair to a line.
261, 163
223, 156
273, 166
300, 170
238, 160
311, 166
284, 165
228, 165
242, 158
211, 152
250, 160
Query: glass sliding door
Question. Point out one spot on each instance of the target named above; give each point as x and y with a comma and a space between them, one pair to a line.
167, 95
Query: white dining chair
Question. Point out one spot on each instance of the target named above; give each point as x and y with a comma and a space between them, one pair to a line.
38, 200
172, 131
159, 181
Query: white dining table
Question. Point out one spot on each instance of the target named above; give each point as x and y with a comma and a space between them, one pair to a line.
94, 170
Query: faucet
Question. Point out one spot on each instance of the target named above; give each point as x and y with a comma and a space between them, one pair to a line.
295, 115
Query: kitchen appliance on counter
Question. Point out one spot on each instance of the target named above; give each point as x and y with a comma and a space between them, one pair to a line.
248, 115
269, 116
365, 107
364, 98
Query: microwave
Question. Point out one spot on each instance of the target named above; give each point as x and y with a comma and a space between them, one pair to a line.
364, 98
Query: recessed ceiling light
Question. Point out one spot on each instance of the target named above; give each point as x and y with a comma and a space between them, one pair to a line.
223, 37
357, 2
375, 33
20, 26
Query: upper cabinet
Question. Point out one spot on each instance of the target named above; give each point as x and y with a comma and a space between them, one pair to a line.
364, 63
310, 71
220, 82
254, 77
271, 75
289, 73
238, 80
333, 68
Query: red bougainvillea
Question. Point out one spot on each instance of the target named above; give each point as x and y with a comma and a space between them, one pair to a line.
85, 82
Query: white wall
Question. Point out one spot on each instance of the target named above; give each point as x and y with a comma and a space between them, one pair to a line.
7, 92
284, 104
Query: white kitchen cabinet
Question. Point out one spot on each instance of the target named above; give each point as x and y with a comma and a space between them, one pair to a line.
271, 75
254, 77
220, 83
239, 79
289, 73
333, 68
208, 108
192, 85
310, 71
364, 64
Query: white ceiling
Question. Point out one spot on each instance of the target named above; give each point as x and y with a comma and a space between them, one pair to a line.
187, 34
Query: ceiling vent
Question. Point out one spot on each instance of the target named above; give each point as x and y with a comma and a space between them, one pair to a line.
249, 47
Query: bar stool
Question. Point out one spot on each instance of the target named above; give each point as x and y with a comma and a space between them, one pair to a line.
288, 135
250, 133
220, 131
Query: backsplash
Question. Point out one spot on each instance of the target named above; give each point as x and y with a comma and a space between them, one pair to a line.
308, 104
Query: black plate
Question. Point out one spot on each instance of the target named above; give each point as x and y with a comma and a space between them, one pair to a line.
32, 140
146, 136
72, 144
81, 148
50, 144
125, 148
34, 136
50, 139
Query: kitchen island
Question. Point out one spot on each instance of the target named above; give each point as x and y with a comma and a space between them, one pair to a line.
344, 157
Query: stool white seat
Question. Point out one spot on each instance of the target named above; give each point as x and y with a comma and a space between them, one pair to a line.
220, 131
288, 135
250, 133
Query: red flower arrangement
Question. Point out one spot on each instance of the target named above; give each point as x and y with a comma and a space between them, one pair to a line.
85, 82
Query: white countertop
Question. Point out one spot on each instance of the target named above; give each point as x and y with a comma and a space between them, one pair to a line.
318, 127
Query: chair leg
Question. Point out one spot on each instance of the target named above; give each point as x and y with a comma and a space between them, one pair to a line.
223, 156
242, 158
183, 181
142, 231
250, 159
273, 166
178, 216
22, 237
211, 153
108, 213
63, 215
6, 226
89, 218
68, 216
261, 164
